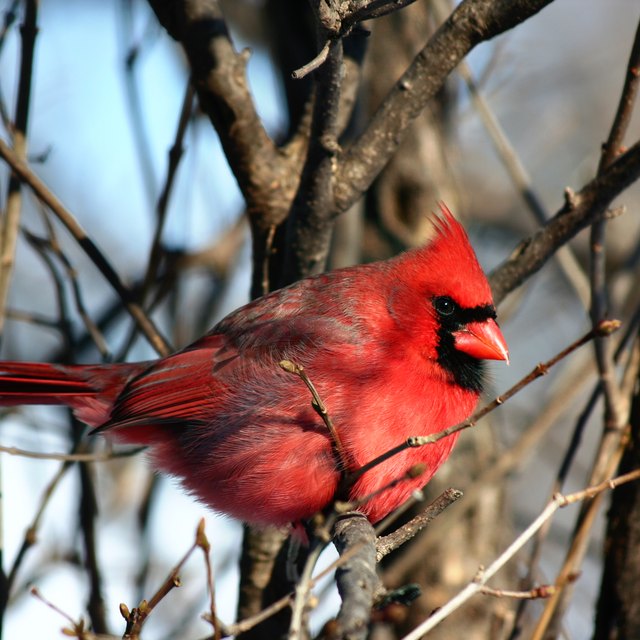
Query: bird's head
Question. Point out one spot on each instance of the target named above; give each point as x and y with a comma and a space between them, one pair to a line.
447, 304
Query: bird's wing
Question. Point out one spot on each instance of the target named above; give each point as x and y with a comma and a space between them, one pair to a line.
193, 385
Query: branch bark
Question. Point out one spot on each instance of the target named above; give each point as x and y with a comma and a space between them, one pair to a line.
579, 211
266, 175
357, 580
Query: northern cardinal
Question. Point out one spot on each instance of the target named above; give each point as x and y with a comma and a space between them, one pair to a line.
394, 349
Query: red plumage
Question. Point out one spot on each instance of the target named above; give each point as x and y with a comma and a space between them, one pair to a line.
393, 348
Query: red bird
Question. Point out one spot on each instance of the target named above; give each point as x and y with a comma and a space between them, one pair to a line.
393, 348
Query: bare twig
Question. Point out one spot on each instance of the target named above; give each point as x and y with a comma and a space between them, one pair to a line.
22, 170
303, 591
543, 591
156, 251
87, 516
37, 319
312, 65
341, 455
387, 544
137, 616
72, 275
175, 155
30, 537
103, 456
203, 543
11, 219
10, 16
613, 146
76, 629
64, 320
480, 581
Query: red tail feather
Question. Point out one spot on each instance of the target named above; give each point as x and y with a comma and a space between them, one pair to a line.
89, 390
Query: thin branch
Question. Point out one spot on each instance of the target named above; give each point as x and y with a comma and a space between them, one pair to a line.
203, 543
50, 200
11, 219
64, 321
87, 517
389, 543
312, 65
485, 575
156, 251
31, 534
613, 146
34, 318
76, 629
303, 591
137, 616
342, 458
542, 591
580, 210
104, 456
72, 275
175, 155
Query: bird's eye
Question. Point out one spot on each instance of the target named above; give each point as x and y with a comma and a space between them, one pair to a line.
444, 305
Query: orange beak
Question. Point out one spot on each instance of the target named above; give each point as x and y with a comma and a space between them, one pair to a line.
482, 340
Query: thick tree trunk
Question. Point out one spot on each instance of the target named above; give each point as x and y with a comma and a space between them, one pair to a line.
618, 614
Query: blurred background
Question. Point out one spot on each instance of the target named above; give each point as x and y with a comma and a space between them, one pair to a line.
108, 88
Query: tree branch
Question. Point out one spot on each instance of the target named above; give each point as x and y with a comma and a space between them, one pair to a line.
579, 211
472, 22
357, 580
310, 222
266, 175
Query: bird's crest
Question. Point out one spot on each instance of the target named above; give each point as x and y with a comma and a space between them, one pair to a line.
450, 262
